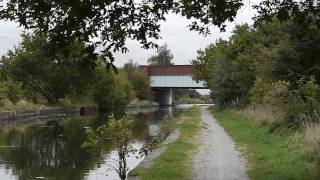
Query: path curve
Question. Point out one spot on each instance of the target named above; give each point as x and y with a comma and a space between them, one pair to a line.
217, 158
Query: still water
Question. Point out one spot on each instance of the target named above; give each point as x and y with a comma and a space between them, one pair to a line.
52, 149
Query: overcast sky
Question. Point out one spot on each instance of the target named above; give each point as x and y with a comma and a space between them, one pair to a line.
182, 42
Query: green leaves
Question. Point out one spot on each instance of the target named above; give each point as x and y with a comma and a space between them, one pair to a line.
109, 24
48, 70
118, 132
113, 90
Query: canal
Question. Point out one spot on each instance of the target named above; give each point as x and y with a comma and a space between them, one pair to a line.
52, 149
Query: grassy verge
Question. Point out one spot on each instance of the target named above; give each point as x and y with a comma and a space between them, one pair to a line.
270, 156
174, 163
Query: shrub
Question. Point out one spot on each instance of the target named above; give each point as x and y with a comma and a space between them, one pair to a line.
270, 93
141, 85
304, 104
113, 91
117, 133
10, 90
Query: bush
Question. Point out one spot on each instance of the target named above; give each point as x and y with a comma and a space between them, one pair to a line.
141, 85
270, 93
304, 104
113, 91
10, 90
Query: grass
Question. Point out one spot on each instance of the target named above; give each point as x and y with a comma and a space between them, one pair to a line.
263, 115
310, 140
270, 155
174, 163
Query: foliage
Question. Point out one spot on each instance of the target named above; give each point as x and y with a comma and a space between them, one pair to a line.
271, 93
302, 13
10, 90
118, 132
53, 74
130, 68
139, 80
113, 90
304, 104
264, 65
110, 23
187, 96
163, 58
141, 85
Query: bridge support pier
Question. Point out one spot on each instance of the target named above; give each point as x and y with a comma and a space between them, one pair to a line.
163, 96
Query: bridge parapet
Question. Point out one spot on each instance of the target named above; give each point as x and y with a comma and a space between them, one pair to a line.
168, 70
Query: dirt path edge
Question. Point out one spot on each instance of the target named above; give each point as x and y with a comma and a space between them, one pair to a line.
149, 160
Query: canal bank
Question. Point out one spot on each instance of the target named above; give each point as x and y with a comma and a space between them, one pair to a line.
52, 149
175, 156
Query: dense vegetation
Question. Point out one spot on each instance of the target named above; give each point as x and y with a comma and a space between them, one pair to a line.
270, 72
35, 74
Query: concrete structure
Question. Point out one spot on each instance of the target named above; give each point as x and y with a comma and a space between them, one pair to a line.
165, 78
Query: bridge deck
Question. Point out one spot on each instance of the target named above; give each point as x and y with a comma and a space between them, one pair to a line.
175, 76
175, 82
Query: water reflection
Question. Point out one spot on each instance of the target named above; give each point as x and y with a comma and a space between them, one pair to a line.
52, 150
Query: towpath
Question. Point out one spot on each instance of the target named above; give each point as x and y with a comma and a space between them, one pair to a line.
217, 158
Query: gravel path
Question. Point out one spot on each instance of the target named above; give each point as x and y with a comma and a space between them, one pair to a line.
217, 158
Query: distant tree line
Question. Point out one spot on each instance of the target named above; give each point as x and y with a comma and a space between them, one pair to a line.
34, 72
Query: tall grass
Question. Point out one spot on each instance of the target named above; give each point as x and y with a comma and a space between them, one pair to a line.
263, 115
21, 104
307, 136
310, 140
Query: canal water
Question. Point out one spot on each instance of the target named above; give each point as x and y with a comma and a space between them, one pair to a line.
52, 149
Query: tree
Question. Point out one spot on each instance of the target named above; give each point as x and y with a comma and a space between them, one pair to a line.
231, 67
113, 91
111, 23
52, 74
141, 85
130, 68
10, 90
163, 58
302, 13
139, 80
119, 133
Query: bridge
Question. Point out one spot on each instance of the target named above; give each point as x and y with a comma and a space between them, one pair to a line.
165, 78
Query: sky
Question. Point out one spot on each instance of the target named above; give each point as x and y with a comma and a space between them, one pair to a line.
183, 43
